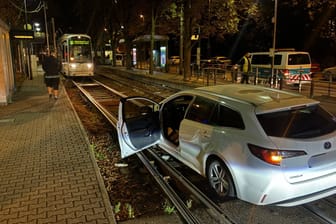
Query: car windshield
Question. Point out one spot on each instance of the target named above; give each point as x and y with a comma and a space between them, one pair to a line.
302, 122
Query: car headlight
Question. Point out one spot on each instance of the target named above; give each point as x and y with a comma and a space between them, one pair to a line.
73, 65
89, 65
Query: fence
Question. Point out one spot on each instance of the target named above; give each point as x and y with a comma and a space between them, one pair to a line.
230, 74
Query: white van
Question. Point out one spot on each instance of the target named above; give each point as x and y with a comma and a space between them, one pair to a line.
290, 65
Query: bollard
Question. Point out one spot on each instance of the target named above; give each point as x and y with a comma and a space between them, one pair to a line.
311, 89
300, 84
208, 78
215, 74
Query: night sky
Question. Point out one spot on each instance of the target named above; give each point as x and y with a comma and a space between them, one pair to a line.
63, 12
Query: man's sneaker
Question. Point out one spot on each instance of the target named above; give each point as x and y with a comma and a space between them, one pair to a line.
55, 97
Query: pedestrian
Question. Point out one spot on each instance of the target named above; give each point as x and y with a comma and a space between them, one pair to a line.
52, 69
245, 65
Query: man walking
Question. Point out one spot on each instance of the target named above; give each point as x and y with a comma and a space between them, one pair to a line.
52, 68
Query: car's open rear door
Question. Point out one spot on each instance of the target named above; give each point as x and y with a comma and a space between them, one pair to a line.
138, 124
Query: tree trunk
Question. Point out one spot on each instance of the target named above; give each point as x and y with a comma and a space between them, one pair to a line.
151, 58
128, 48
181, 65
187, 44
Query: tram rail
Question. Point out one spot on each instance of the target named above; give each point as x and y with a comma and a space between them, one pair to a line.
324, 210
100, 93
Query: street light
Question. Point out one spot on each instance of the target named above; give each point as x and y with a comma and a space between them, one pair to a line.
142, 18
37, 27
274, 39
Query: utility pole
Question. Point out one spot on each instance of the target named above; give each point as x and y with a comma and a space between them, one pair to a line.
46, 26
54, 34
151, 58
274, 41
28, 65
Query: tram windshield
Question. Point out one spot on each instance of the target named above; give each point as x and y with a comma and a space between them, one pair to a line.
80, 49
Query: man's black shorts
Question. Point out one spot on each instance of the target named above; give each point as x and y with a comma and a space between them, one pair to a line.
52, 82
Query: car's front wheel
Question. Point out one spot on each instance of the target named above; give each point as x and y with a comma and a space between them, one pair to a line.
220, 179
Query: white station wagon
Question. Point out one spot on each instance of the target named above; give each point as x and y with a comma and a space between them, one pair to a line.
261, 145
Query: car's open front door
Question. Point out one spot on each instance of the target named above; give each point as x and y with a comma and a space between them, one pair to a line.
138, 124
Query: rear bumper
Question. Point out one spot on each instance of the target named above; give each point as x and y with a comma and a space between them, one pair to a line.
307, 198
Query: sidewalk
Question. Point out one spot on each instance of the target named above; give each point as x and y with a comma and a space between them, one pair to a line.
47, 171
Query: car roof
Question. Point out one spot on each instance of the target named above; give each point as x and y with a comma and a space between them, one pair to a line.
221, 57
264, 99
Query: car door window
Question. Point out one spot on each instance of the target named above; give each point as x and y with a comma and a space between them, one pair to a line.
226, 117
142, 122
172, 114
201, 110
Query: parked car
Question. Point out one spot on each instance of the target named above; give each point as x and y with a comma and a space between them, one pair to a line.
174, 60
206, 63
329, 72
261, 145
221, 60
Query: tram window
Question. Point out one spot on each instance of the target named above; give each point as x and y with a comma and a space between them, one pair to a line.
64, 52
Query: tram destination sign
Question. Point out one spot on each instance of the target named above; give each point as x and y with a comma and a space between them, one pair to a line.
79, 42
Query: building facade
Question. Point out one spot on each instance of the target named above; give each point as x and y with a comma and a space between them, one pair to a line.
7, 81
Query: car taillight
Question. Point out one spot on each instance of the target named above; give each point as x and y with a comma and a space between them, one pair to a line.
273, 156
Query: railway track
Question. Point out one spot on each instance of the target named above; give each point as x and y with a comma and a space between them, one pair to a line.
106, 100
324, 210
98, 94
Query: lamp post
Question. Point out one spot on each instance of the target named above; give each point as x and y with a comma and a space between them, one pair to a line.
274, 40
209, 24
27, 53
142, 18
46, 26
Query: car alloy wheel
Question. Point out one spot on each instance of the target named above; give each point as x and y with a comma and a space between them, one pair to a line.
220, 179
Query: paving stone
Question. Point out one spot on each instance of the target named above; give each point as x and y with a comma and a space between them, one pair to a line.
47, 174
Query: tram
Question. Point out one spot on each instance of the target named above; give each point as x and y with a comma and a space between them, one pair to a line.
76, 55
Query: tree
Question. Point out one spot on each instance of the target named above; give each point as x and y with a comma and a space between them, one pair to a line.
214, 18
312, 28
157, 10
16, 12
